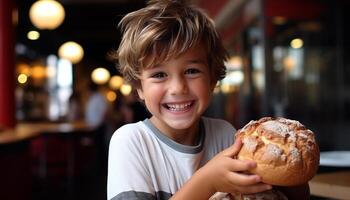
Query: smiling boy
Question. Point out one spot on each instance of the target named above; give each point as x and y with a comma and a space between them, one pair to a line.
173, 56
177, 92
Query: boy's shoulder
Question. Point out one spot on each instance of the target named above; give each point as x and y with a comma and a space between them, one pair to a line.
137, 125
218, 128
212, 119
216, 123
130, 130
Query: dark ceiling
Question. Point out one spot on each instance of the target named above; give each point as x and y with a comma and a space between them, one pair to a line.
91, 23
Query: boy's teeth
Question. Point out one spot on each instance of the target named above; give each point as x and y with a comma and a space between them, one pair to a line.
178, 107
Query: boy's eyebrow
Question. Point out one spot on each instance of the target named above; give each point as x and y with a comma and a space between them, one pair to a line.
194, 61
200, 61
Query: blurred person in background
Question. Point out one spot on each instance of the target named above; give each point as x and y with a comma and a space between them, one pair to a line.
96, 107
76, 111
96, 116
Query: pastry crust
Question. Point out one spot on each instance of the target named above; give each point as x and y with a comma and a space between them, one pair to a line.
286, 151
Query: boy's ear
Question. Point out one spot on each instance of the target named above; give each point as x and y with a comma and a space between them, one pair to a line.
140, 93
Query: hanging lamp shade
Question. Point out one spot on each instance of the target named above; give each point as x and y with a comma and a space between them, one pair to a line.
71, 51
46, 14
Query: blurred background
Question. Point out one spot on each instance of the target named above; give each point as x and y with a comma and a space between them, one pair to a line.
287, 58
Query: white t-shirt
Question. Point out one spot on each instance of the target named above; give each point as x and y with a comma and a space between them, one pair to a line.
145, 164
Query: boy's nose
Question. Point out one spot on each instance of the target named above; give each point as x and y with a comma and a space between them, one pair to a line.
178, 86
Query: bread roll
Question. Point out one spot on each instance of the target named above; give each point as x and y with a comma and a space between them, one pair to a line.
285, 151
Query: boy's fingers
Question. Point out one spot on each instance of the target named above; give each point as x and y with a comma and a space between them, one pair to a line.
244, 179
259, 187
242, 165
247, 184
233, 149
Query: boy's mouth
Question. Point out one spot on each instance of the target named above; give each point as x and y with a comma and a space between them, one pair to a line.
178, 106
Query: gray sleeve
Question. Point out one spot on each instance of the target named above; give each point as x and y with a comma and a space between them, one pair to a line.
134, 195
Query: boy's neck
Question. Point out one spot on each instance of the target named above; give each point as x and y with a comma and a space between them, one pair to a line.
189, 137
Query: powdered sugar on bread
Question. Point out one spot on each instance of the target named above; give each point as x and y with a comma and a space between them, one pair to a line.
280, 146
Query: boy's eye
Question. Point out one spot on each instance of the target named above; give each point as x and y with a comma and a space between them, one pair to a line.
158, 75
192, 71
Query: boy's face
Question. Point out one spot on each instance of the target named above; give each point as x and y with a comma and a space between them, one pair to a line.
177, 91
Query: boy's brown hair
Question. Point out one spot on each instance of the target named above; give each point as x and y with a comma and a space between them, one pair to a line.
165, 29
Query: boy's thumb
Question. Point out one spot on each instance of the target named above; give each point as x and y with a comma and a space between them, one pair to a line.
233, 149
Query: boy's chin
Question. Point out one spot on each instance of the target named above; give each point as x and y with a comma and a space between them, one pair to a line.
181, 124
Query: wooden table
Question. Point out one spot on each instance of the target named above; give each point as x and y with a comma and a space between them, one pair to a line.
335, 185
24, 131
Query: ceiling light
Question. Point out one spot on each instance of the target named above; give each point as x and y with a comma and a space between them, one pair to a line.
100, 75
71, 51
296, 43
46, 14
22, 78
125, 89
33, 35
111, 96
38, 72
116, 82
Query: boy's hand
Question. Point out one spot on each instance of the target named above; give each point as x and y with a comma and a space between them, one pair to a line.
226, 174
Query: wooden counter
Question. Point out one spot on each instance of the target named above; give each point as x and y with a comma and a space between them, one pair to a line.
335, 185
17, 161
25, 131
